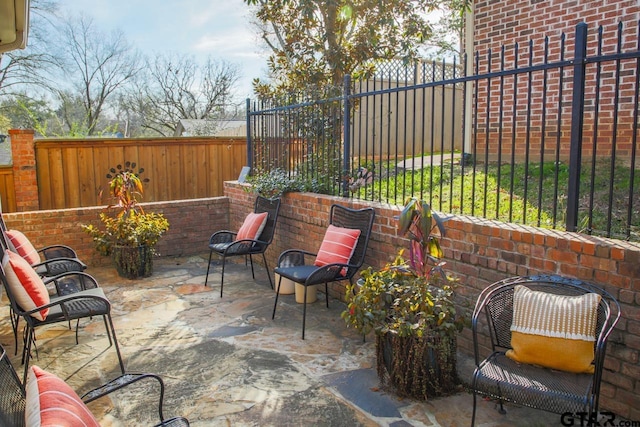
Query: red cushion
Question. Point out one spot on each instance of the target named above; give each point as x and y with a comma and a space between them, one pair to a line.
337, 246
26, 286
252, 227
51, 402
23, 246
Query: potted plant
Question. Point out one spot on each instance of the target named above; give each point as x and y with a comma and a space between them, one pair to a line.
409, 304
129, 234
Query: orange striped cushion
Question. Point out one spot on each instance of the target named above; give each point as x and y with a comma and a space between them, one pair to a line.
554, 331
51, 402
26, 286
337, 246
23, 246
252, 227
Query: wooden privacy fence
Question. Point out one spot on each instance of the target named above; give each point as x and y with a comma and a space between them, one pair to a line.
7, 193
71, 173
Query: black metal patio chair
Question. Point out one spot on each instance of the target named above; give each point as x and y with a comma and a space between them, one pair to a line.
13, 395
48, 268
302, 267
556, 389
79, 297
225, 243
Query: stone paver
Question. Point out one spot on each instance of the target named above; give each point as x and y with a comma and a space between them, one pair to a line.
225, 362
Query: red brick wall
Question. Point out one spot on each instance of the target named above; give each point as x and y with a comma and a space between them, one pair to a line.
478, 251
481, 252
499, 23
191, 223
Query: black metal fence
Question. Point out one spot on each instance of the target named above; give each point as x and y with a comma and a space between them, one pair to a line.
544, 141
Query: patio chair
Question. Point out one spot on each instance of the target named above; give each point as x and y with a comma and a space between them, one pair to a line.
340, 256
253, 238
18, 400
48, 268
550, 359
79, 297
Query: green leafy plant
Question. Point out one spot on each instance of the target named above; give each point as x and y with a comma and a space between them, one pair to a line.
410, 305
125, 223
273, 183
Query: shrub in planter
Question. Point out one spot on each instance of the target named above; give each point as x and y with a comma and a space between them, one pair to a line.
410, 306
129, 234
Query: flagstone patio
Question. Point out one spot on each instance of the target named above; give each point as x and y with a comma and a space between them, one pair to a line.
225, 362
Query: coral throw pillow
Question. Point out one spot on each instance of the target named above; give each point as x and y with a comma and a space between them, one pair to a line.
51, 402
252, 227
23, 246
26, 286
554, 331
337, 246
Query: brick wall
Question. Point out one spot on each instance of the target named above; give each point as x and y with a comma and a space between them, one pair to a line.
478, 251
481, 252
505, 23
191, 223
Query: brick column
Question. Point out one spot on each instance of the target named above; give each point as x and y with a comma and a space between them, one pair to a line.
24, 169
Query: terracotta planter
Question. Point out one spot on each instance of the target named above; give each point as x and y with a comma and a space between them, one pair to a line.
133, 262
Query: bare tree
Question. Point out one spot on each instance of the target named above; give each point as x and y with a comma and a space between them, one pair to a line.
24, 68
175, 87
96, 65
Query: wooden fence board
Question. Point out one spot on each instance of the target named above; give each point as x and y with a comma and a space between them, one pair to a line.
71, 173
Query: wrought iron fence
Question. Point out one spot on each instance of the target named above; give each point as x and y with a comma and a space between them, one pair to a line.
532, 137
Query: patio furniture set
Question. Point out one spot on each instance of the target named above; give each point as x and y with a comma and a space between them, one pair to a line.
547, 334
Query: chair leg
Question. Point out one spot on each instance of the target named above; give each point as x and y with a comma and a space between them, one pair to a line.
473, 414
275, 304
115, 341
26, 353
326, 292
304, 310
251, 262
208, 268
224, 261
14, 325
264, 258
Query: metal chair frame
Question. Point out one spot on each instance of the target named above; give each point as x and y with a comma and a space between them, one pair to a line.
297, 265
223, 242
499, 377
13, 394
86, 301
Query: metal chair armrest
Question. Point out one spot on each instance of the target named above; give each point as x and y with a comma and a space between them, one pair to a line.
124, 381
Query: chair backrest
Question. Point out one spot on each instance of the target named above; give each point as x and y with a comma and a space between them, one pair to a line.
497, 302
12, 394
361, 219
272, 207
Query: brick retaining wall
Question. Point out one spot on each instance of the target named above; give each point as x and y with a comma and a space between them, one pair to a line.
481, 252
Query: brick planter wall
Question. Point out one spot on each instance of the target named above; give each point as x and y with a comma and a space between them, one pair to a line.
481, 252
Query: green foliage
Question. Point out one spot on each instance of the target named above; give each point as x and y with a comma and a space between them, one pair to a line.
395, 299
315, 43
129, 225
273, 184
407, 298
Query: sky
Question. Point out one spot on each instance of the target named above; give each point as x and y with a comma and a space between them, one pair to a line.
201, 28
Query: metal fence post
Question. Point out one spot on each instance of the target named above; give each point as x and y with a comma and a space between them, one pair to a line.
346, 135
249, 149
577, 112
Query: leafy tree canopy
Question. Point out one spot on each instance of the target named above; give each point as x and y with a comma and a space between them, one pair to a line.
317, 42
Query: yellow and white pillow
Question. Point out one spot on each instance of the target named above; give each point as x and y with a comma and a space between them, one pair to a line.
554, 331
